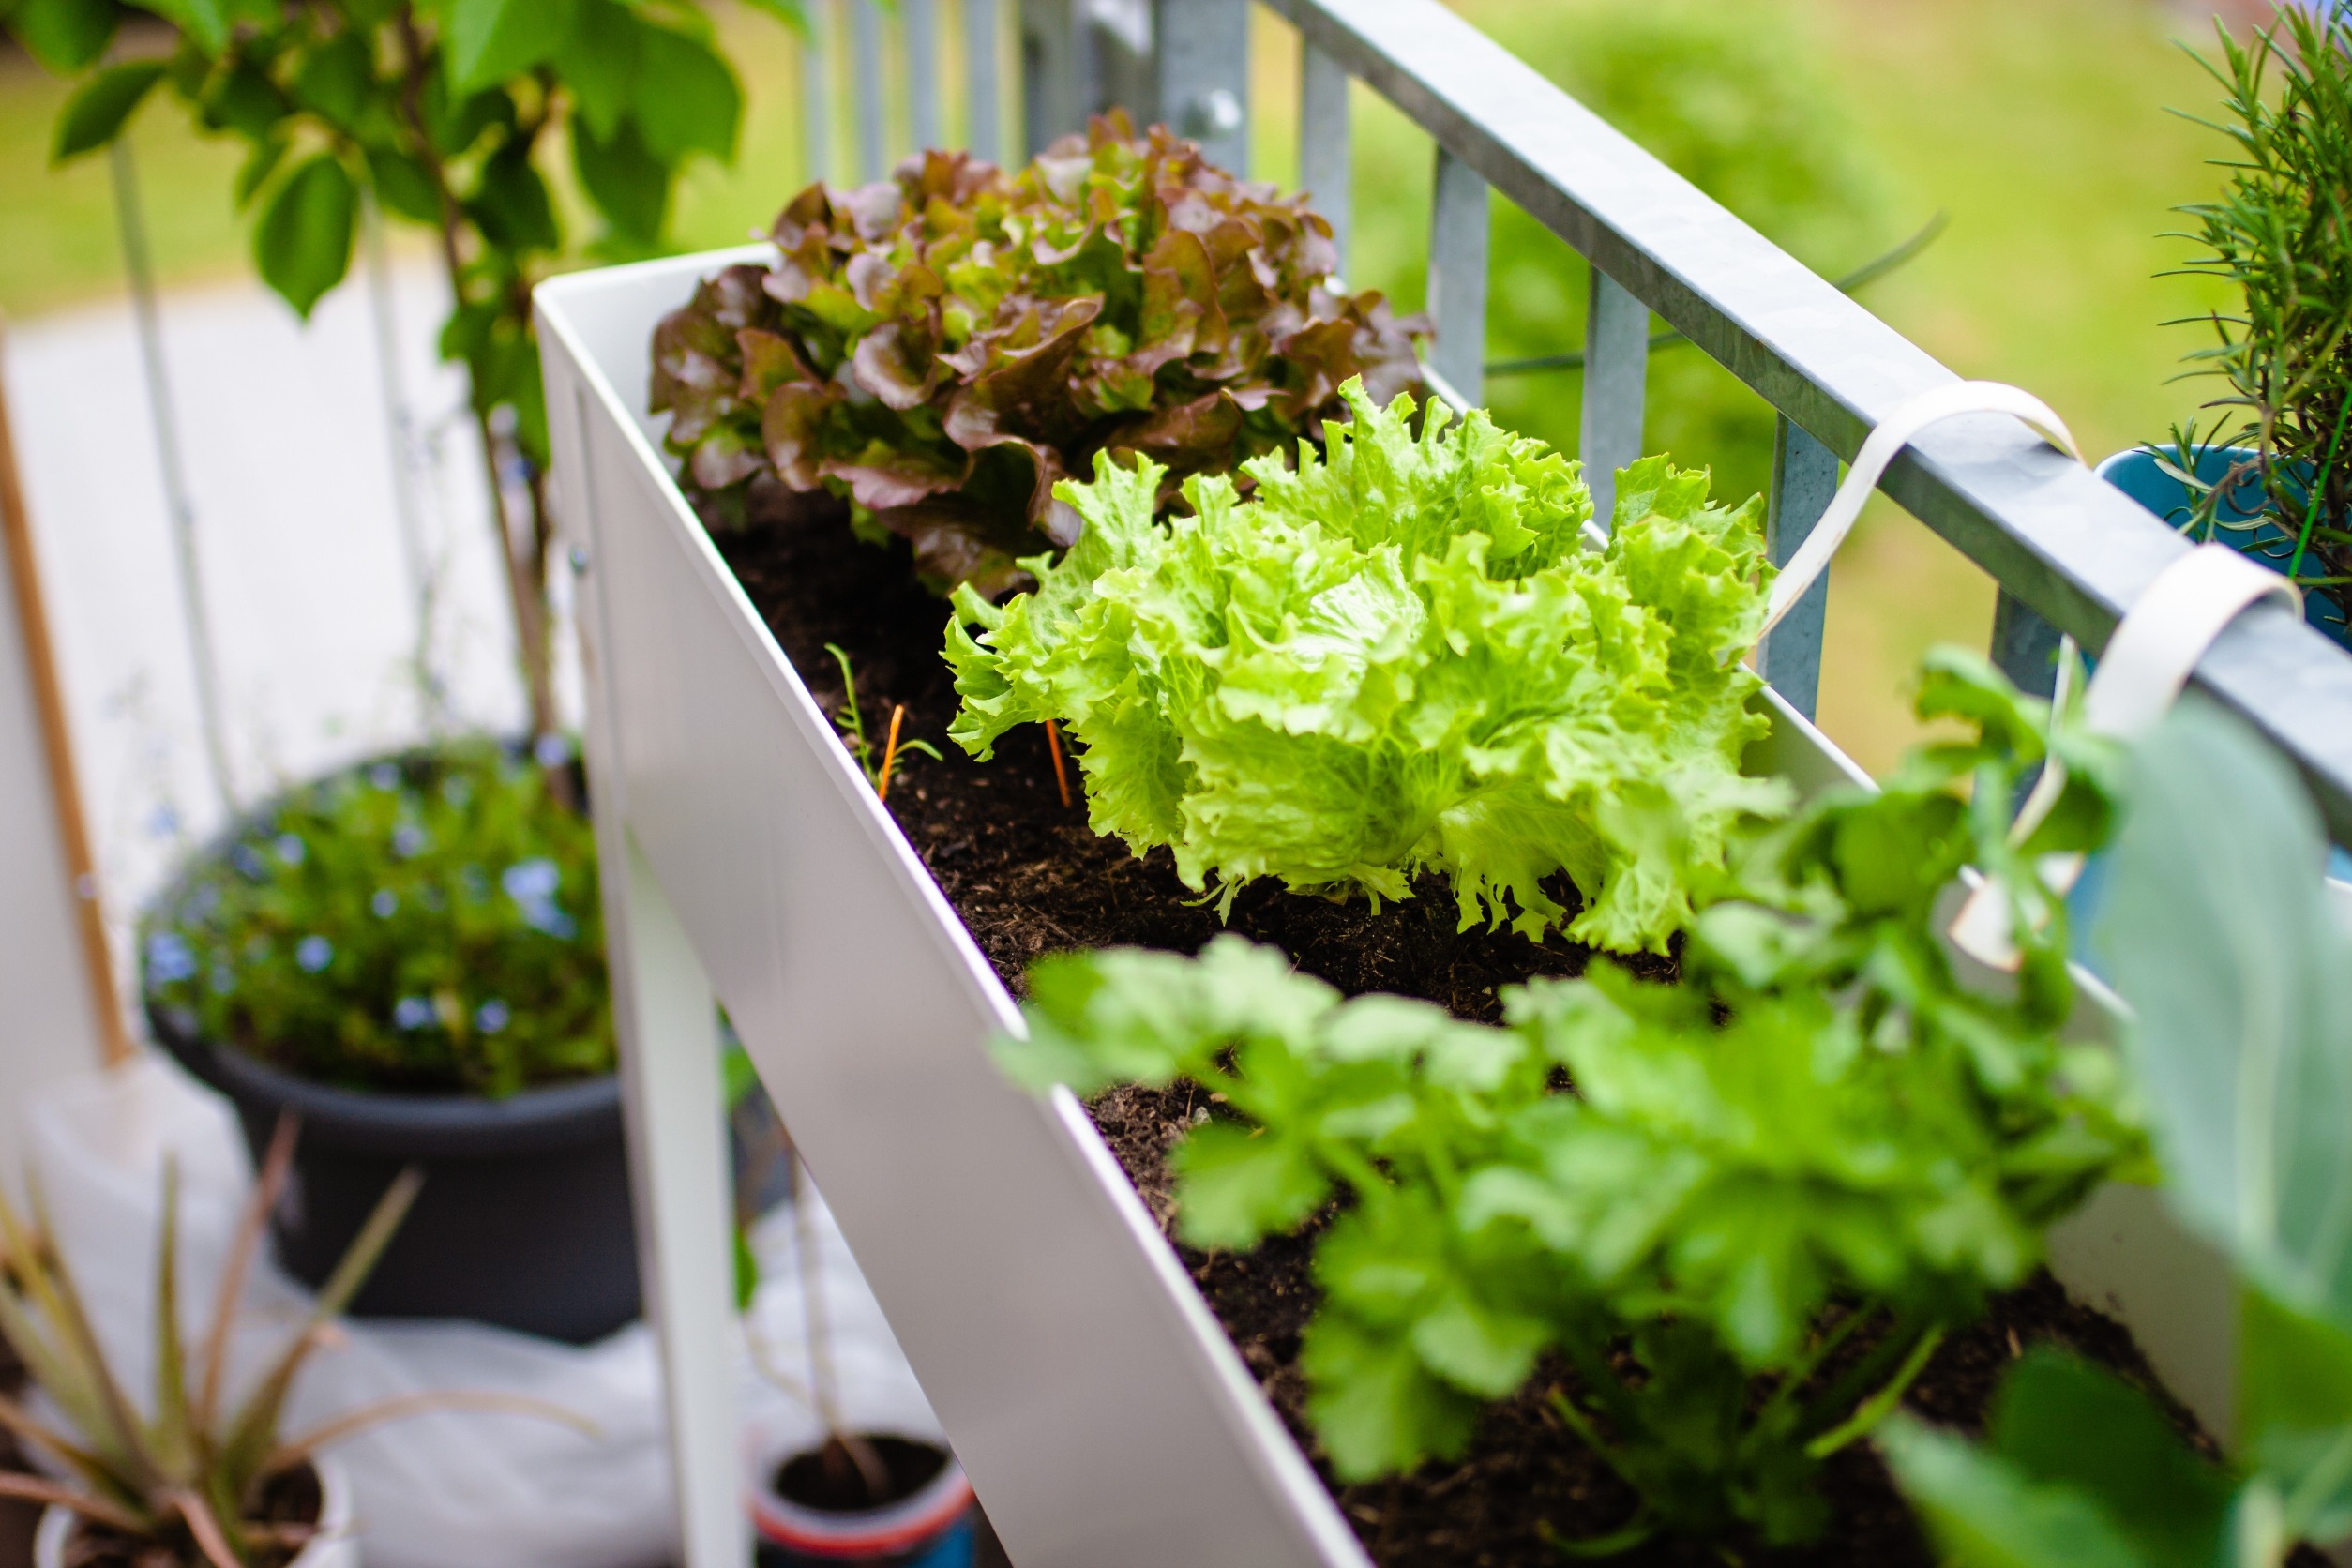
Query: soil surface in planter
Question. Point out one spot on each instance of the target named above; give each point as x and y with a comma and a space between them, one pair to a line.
1029, 878
291, 1498
828, 1479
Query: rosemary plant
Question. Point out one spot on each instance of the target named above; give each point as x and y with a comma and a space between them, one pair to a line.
2281, 236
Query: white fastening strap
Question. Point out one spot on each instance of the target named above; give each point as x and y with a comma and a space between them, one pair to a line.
1893, 433
2147, 663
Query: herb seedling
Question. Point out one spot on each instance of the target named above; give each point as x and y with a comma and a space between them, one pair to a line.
1816, 1137
852, 723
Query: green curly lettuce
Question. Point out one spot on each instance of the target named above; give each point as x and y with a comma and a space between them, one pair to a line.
1400, 658
943, 346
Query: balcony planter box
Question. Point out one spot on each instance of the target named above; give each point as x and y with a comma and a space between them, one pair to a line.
524, 1221
1100, 1411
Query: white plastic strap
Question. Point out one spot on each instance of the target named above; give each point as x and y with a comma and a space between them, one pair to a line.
2147, 663
1893, 433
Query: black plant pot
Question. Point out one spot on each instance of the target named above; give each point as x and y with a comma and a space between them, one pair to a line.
524, 1219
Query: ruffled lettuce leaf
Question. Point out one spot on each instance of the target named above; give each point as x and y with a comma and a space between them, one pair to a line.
943, 346
1399, 657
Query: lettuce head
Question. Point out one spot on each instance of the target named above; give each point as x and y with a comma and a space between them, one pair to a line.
1403, 657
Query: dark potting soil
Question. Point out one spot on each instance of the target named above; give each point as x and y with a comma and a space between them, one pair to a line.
828, 1479
18, 1518
1029, 878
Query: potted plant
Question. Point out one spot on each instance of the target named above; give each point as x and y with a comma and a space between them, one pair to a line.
2218, 937
2271, 475
196, 1476
439, 115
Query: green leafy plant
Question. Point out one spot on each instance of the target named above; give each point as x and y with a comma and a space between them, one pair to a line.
2217, 933
198, 1476
850, 721
1743, 1206
944, 347
1400, 657
438, 111
2281, 237
425, 924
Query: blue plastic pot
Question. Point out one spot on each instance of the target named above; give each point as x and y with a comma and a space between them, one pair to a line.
2139, 474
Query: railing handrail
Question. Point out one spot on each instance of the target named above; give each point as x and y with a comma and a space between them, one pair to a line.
2062, 541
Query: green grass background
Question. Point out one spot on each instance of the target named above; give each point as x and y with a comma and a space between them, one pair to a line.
2041, 127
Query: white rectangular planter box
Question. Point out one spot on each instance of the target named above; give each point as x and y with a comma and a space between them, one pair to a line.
1103, 1415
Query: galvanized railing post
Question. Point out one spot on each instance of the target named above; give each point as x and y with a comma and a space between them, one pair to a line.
815, 94
1054, 86
918, 25
866, 81
983, 100
1616, 371
1324, 170
1804, 477
2024, 646
1203, 48
1458, 278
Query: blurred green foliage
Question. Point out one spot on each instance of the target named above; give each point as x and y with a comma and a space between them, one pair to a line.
421, 924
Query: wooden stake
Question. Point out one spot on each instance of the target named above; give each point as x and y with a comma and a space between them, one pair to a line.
48, 700
1061, 773
890, 751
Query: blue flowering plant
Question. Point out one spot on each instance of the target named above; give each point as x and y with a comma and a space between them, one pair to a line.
426, 924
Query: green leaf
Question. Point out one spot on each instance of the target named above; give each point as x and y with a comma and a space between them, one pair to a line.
1237, 1185
2217, 932
789, 12
1984, 1513
96, 112
403, 184
2294, 1410
2062, 1421
244, 100
303, 242
597, 61
490, 40
335, 78
67, 36
1376, 1406
685, 98
1478, 1349
258, 165
207, 21
512, 207
628, 184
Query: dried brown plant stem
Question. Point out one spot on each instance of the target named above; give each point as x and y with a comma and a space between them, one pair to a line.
890, 751
1061, 771
841, 1444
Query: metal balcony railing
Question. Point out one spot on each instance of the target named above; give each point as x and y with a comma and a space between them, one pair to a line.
2070, 553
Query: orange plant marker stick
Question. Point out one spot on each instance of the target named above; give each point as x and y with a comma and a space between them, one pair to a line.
1061, 773
890, 751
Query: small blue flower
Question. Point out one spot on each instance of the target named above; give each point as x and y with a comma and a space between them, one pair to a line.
412, 1012
200, 903
314, 952
384, 902
528, 881
551, 750
163, 823
224, 979
169, 960
292, 850
407, 840
490, 1016
248, 859
385, 776
456, 788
